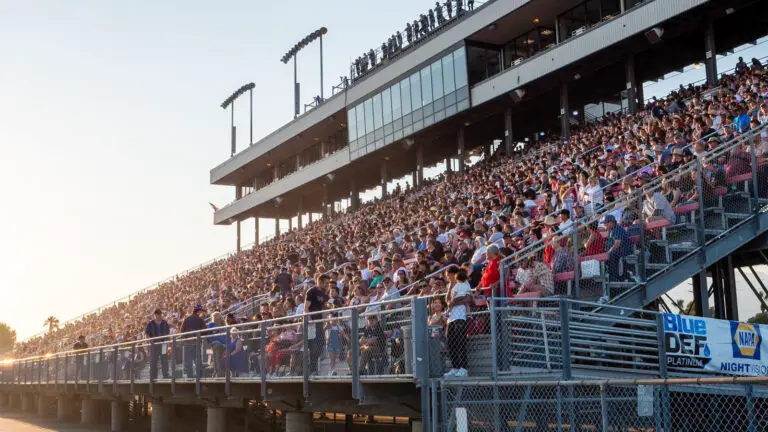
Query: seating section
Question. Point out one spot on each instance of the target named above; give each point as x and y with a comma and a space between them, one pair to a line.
536, 209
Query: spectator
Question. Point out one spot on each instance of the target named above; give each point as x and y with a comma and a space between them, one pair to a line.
458, 298
80, 357
618, 247
218, 341
158, 349
491, 275
372, 344
193, 323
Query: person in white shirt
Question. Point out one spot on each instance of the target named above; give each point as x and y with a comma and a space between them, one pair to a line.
592, 195
566, 224
458, 299
479, 256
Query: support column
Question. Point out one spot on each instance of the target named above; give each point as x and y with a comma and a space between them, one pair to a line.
119, 416
3, 401
384, 179
509, 143
89, 414
701, 294
42, 406
710, 54
63, 408
217, 419
354, 201
161, 417
420, 165
290, 224
717, 281
729, 289
26, 403
238, 196
298, 422
299, 223
565, 122
629, 67
326, 210
461, 149
414, 179
448, 164
256, 229
277, 227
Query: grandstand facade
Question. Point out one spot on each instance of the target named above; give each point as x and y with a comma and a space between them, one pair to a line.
572, 231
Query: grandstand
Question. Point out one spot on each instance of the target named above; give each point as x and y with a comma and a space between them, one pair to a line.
571, 239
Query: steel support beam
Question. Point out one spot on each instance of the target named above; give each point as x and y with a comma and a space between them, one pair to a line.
710, 54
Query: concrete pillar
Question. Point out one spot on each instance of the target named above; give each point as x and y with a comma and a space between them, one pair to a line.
300, 224
26, 403
256, 229
277, 227
89, 414
63, 408
565, 122
42, 406
509, 143
629, 68
384, 179
487, 150
354, 202
161, 417
420, 165
298, 422
416, 426
217, 419
710, 54
238, 196
415, 179
119, 416
460, 140
448, 164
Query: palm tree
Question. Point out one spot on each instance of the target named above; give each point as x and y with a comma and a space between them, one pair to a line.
52, 322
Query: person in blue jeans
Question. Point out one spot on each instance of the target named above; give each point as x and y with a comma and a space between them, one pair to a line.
618, 246
193, 322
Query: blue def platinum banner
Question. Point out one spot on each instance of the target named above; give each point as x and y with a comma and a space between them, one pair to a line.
718, 346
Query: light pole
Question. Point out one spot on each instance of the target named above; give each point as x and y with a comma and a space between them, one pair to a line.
230, 102
292, 53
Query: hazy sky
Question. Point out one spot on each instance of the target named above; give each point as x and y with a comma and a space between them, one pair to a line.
110, 123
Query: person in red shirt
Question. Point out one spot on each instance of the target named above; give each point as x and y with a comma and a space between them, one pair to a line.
491, 275
595, 243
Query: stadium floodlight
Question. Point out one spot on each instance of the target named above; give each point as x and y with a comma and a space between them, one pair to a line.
292, 54
230, 102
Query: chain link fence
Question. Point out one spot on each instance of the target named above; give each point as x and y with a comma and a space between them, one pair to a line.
738, 404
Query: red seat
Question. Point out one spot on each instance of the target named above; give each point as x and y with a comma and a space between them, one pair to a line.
657, 224
687, 208
720, 191
740, 178
564, 276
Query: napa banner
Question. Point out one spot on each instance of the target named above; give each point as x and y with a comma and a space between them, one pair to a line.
718, 346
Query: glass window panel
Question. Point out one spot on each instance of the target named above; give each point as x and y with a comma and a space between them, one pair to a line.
352, 122
461, 106
405, 93
437, 80
386, 104
450, 110
368, 116
360, 114
397, 110
377, 115
426, 85
449, 84
460, 67
416, 91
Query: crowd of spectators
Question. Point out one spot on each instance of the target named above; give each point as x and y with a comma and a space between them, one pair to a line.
399, 246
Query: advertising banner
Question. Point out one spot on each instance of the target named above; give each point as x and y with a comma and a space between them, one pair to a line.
717, 346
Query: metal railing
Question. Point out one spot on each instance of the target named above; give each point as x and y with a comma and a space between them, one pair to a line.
711, 404
381, 340
728, 200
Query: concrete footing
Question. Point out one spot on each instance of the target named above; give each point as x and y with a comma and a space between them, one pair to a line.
161, 417
89, 414
119, 416
27, 403
298, 422
217, 419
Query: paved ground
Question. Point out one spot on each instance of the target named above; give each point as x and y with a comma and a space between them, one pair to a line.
17, 422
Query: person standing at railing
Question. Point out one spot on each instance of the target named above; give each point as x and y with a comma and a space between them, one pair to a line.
458, 298
158, 349
193, 322
80, 357
314, 303
618, 246
218, 342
